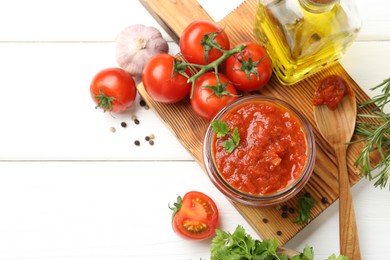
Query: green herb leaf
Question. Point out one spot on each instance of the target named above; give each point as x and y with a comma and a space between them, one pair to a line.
340, 257
307, 254
241, 246
220, 127
305, 204
236, 136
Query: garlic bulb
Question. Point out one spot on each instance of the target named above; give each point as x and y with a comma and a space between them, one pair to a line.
136, 44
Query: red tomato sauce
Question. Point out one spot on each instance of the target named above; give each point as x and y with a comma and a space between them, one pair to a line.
271, 153
331, 90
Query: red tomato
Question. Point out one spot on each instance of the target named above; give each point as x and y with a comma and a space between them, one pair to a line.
195, 216
162, 82
113, 89
196, 37
210, 97
250, 70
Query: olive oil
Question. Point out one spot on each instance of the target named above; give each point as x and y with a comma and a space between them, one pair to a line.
303, 36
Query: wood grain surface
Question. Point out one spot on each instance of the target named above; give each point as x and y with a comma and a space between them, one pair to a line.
190, 129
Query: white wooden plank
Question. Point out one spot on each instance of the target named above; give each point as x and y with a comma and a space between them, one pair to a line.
48, 113
119, 210
89, 20
72, 20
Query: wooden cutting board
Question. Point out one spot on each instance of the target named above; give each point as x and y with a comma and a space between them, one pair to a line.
189, 129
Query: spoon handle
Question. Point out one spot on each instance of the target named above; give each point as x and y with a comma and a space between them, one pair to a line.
349, 240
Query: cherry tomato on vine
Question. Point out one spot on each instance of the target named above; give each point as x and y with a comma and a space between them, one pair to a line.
251, 69
211, 95
163, 79
198, 41
113, 89
195, 216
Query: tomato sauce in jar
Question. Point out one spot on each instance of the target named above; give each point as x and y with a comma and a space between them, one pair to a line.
271, 154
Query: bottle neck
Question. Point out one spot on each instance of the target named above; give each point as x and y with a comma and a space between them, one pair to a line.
318, 6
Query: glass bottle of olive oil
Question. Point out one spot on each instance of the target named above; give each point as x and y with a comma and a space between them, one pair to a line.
303, 36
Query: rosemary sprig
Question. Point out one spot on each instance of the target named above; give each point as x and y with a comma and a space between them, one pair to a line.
376, 137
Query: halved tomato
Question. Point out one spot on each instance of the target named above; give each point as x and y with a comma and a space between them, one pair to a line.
195, 216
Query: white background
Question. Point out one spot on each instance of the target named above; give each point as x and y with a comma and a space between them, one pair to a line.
71, 189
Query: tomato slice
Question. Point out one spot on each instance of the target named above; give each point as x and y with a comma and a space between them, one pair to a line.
195, 216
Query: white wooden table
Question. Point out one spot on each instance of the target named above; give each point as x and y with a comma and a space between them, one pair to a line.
71, 189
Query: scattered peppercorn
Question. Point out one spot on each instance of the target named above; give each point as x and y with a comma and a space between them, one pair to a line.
137, 143
279, 233
151, 142
123, 124
265, 220
136, 121
133, 117
284, 208
112, 129
151, 136
146, 107
147, 138
291, 210
324, 200
142, 103
284, 215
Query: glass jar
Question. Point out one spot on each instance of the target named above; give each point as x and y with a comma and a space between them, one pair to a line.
303, 36
275, 156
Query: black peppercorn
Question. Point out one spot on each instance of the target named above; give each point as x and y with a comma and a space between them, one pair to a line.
324, 200
137, 143
284, 208
123, 124
284, 215
279, 233
265, 220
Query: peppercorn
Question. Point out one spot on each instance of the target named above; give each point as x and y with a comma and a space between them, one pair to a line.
147, 138
291, 210
324, 200
284, 215
284, 208
136, 121
151, 142
142, 103
151, 136
137, 143
265, 220
112, 129
279, 233
123, 124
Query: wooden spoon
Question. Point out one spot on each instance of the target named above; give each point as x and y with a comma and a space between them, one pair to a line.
337, 127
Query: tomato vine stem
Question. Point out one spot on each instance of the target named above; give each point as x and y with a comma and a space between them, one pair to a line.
213, 65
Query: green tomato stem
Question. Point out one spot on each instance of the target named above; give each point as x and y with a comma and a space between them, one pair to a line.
213, 65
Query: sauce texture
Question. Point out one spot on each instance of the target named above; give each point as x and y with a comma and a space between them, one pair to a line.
331, 90
272, 152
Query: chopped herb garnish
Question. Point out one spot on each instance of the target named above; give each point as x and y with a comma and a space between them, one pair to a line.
221, 128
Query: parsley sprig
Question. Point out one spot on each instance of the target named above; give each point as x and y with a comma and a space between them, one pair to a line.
305, 204
241, 246
221, 128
